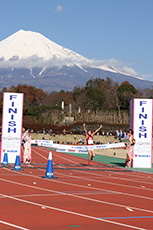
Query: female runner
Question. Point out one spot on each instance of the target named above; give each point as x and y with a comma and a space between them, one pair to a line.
89, 140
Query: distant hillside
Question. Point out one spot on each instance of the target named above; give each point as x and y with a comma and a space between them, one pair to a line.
66, 78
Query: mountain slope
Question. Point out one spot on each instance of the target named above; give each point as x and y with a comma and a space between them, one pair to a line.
65, 77
30, 58
25, 46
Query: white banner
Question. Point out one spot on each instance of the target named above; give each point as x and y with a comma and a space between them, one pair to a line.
141, 123
11, 125
75, 148
46, 143
84, 148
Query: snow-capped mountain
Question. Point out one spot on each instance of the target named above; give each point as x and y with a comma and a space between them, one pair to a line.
30, 58
26, 48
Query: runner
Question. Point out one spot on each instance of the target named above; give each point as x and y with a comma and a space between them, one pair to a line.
89, 140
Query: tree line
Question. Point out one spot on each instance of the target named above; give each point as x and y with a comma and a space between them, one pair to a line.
98, 94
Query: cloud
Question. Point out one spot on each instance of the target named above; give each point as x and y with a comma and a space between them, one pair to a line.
59, 9
147, 76
129, 70
111, 64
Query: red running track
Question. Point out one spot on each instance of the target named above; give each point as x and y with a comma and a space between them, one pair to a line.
97, 197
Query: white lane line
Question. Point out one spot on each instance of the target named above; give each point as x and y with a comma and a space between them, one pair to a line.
72, 195
106, 182
66, 159
94, 180
129, 209
40, 195
61, 194
57, 156
71, 212
13, 225
126, 179
118, 178
137, 175
82, 186
40, 154
114, 172
123, 185
127, 194
35, 195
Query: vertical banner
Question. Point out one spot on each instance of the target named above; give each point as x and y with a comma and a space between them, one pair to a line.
141, 115
11, 125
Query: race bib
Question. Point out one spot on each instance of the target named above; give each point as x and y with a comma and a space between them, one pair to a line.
90, 141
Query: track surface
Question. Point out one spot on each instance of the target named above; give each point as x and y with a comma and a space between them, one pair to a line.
97, 197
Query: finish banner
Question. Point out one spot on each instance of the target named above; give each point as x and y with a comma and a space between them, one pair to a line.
84, 148
75, 148
11, 126
141, 115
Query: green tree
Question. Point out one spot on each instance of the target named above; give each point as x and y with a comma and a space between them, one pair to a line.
125, 93
97, 82
95, 93
96, 97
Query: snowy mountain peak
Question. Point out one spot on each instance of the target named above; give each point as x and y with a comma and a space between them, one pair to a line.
27, 44
27, 49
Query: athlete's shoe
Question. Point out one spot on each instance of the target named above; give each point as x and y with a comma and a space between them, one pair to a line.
92, 157
89, 164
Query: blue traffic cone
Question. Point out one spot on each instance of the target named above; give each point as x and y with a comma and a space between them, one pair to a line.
5, 159
49, 171
17, 166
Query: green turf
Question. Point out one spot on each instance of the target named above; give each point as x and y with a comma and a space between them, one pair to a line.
120, 162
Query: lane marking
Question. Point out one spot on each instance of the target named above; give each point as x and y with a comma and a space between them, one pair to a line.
129, 209
94, 180
127, 217
70, 192
33, 195
40, 154
56, 156
72, 195
87, 192
105, 181
13, 225
133, 172
81, 197
108, 176
94, 188
71, 212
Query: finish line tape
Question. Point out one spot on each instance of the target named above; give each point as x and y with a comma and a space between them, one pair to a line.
75, 148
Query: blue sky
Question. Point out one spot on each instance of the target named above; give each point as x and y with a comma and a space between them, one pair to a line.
121, 30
